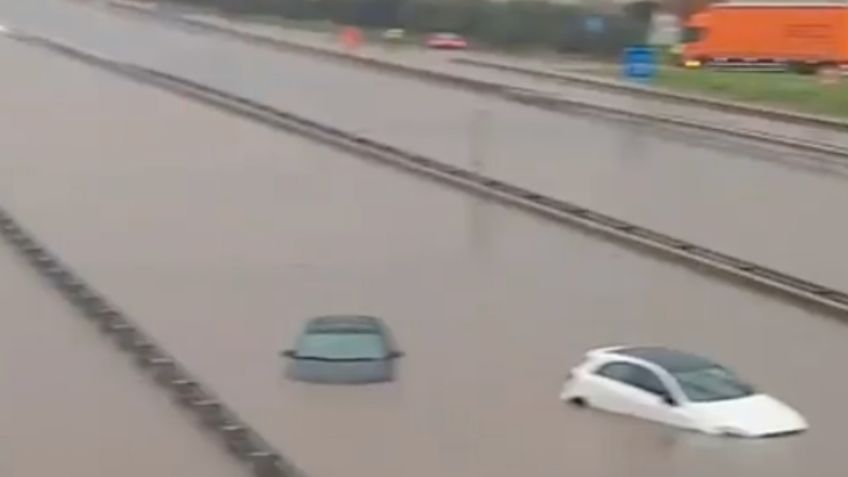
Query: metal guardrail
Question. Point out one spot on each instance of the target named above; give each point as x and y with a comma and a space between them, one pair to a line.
501, 90
699, 257
709, 103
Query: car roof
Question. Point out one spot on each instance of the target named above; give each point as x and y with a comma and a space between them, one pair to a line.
671, 360
344, 324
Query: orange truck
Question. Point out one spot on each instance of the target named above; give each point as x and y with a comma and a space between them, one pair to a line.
801, 36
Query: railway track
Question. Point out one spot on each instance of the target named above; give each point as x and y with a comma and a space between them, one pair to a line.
701, 258
508, 92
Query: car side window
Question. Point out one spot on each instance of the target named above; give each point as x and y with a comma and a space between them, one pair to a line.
634, 375
647, 380
615, 371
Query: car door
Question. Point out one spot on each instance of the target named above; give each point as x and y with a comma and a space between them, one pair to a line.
611, 388
632, 389
656, 401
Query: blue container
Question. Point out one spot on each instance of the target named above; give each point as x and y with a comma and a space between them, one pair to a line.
640, 63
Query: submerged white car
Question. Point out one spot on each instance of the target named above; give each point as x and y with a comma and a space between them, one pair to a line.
678, 389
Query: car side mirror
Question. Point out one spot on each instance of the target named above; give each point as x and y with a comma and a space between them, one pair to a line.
289, 353
395, 354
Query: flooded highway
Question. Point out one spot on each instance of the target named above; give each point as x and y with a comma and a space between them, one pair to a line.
767, 205
72, 405
221, 237
457, 63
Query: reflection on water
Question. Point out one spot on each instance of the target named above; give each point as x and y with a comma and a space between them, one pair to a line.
479, 145
633, 139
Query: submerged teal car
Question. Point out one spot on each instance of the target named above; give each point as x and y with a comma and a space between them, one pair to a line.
343, 349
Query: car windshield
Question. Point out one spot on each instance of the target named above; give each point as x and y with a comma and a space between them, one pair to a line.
342, 346
712, 384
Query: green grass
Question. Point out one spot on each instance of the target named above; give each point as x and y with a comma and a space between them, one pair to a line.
802, 93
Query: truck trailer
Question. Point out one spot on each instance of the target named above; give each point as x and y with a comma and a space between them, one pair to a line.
801, 36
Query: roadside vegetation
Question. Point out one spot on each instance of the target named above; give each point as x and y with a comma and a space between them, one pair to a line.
533, 26
803, 93
526, 24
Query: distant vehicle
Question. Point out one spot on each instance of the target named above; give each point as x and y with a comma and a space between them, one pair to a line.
678, 389
446, 41
344, 349
394, 34
802, 36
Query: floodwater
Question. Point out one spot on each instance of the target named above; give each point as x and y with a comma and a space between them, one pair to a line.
765, 204
222, 236
444, 61
71, 405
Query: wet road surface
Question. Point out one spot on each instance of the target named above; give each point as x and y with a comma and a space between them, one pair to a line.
72, 405
765, 205
221, 237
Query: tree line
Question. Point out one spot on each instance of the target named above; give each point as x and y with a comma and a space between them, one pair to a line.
509, 24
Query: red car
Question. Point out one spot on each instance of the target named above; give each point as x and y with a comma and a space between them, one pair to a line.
446, 41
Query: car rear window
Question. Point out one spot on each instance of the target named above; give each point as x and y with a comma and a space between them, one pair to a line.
342, 346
